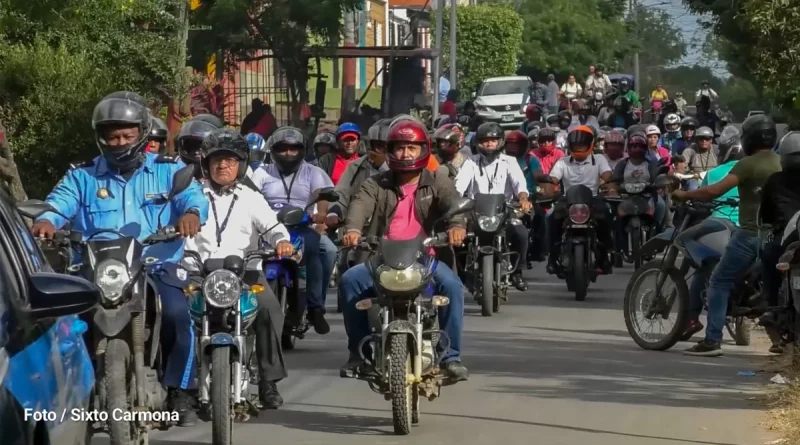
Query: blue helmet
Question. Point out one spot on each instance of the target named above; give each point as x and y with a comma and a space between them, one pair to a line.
258, 149
348, 127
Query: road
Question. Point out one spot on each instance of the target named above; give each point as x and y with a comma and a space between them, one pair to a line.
545, 370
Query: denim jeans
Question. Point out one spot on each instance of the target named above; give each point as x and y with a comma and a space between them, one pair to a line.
319, 255
356, 284
739, 255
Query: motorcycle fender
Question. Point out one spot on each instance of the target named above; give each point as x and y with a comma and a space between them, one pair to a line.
657, 243
580, 240
221, 340
110, 322
404, 327
487, 250
634, 224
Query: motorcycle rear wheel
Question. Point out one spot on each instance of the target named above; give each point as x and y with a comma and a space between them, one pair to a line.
401, 391
487, 285
221, 415
741, 330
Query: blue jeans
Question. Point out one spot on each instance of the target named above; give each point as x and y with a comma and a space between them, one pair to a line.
739, 255
702, 275
356, 284
319, 256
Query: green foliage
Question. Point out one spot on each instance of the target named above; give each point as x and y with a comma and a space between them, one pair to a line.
59, 57
651, 31
487, 42
566, 36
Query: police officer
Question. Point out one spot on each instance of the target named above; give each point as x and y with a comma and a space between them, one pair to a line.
157, 142
191, 136
120, 190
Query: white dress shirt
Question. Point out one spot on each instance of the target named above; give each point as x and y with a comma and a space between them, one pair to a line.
573, 172
501, 176
241, 225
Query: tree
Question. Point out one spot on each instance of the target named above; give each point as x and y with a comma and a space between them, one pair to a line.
59, 57
487, 43
566, 36
242, 28
651, 33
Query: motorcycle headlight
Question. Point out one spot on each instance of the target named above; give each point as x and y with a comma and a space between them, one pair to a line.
222, 288
400, 280
635, 188
111, 276
489, 223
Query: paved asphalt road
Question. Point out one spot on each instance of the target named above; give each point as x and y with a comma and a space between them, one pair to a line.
545, 370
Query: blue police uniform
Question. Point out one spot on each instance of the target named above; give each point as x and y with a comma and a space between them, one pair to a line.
96, 198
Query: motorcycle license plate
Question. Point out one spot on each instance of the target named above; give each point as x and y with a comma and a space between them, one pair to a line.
508, 117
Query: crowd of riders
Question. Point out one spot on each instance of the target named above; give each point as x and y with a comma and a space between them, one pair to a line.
395, 176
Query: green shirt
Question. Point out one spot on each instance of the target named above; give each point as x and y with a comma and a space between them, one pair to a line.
715, 175
753, 172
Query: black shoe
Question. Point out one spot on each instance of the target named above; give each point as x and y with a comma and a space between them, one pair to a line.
519, 282
181, 402
552, 265
269, 396
705, 348
352, 367
316, 317
455, 371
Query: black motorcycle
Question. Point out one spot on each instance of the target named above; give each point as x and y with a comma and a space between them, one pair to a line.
577, 262
126, 324
782, 322
489, 261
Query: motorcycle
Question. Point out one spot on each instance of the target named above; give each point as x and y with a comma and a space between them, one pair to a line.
286, 276
655, 110
657, 303
782, 322
406, 340
488, 254
597, 102
126, 325
578, 243
223, 307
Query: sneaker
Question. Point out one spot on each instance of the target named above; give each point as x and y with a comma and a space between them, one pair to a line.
456, 371
316, 317
693, 327
351, 368
705, 348
181, 402
269, 396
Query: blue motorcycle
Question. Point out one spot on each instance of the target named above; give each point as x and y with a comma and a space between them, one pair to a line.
286, 276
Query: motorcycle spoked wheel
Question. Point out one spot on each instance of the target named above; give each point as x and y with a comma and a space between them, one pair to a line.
221, 412
681, 315
118, 378
402, 393
487, 285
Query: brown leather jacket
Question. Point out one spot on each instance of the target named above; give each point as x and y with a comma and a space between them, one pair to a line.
376, 202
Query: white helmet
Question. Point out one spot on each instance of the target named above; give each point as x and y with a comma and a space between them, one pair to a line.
672, 122
652, 129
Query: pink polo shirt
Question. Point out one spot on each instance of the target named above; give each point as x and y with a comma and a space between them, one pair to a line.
405, 225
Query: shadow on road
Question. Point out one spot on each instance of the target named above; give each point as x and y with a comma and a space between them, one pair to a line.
324, 422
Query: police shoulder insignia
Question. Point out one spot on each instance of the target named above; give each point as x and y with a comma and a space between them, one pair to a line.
164, 159
77, 165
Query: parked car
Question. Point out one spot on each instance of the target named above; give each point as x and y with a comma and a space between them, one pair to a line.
499, 99
46, 374
754, 112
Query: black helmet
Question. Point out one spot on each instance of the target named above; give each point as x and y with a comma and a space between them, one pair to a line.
490, 130
545, 135
789, 149
552, 120
287, 137
378, 131
158, 132
225, 141
122, 109
193, 131
688, 123
325, 139
758, 132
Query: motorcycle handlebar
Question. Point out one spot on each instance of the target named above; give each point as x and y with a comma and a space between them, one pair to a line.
163, 235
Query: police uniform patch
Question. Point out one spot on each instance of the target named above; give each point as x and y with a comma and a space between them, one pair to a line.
164, 159
78, 165
102, 193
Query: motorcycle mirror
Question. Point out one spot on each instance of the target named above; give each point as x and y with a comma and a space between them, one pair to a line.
34, 208
665, 181
182, 180
663, 161
663, 170
290, 216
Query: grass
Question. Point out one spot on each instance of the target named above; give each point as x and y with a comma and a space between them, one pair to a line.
783, 401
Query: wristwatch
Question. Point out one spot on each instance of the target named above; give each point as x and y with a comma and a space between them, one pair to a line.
193, 211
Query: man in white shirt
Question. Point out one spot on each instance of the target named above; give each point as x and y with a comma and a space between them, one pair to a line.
581, 167
238, 216
492, 172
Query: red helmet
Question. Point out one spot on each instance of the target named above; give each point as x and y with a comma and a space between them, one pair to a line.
408, 131
533, 112
520, 139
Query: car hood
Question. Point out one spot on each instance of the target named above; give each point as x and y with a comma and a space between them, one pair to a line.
500, 99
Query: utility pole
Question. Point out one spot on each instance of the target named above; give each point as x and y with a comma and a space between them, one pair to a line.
437, 62
453, 26
635, 17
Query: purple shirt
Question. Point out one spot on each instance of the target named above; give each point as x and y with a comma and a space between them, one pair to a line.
294, 189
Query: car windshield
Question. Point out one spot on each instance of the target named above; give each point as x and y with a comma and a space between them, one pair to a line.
496, 88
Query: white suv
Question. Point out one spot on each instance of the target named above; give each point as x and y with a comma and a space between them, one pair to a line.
499, 99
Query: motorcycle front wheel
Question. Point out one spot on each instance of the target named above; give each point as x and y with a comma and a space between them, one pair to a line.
580, 273
401, 391
221, 414
641, 310
118, 375
487, 285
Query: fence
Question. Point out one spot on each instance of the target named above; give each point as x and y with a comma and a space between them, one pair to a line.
260, 79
